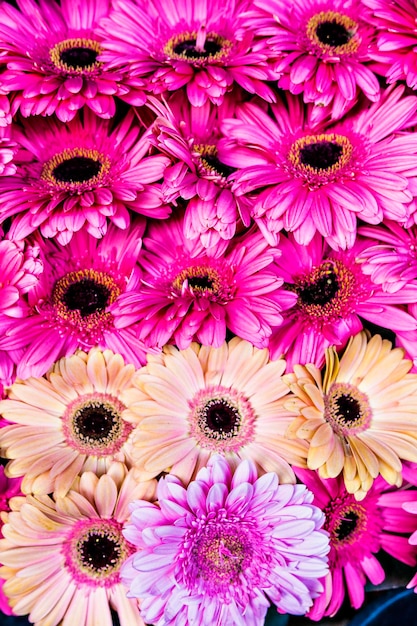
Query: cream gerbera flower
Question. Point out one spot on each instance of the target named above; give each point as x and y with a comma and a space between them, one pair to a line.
192, 403
69, 421
360, 417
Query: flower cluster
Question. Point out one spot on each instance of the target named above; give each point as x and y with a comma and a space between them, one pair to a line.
208, 318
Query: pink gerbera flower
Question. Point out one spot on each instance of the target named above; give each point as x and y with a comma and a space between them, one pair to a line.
62, 557
186, 295
81, 174
334, 294
9, 487
395, 22
323, 49
51, 52
358, 531
205, 46
7, 152
190, 136
72, 305
220, 550
323, 179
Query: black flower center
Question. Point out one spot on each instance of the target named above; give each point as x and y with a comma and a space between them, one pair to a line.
321, 291
213, 163
78, 57
348, 408
86, 296
347, 525
188, 49
321, 155
95, 422
332, 33
77, 169
221, 417
98, 552
200, 282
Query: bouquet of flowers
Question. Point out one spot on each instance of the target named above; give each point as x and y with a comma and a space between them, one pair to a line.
208, 318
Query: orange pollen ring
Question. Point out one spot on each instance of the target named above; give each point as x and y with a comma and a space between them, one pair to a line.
224, 44
199, 279
55, 54
350, 26
50, 166
341, 141
347, 409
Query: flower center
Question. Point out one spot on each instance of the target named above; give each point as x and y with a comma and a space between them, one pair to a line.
202, 280
76, 56
346, 522
221, 419
84, 293
330, 33
76, 169
86, 296
209, 163
347, 409
320, 157
95, 552
198, 47
93, 425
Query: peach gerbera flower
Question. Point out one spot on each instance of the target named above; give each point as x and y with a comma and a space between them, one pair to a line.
360, 416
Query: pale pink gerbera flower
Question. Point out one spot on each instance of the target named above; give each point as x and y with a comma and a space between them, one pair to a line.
189, 135
62, 557
51, 52
81, 175
312, 179
323, 48
219, 551
70, 421
359, 416
334, 296
73, 304
358, 531
395, 23
186, 295
193, 403
205, 46
9, 487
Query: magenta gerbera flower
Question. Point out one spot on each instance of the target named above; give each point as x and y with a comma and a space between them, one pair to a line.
186, 295
323, 179
205, 46
51, 53
323, 50
72, 305
189, 135
220, 550
334, 295
7, 151
358, 531
81, 174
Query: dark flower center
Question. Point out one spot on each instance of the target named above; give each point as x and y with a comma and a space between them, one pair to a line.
188, 48
95, 422
77, 169
78, 57
321, 155
98, 552
86, 296
221, 417
321, 291
214, 163
200, 282
347, 525
348, 408
332, 33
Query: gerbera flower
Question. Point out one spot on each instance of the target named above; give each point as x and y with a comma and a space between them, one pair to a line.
359, 417
323, 179
193, 403
186, 295
70, 421
220, 550
189, 135
51, 53
7, 151
81, 174
358, 531
62, 557
5, 114
411, 507
334, 296
9, 487
205, 46
323, 50
395, 22
72, 306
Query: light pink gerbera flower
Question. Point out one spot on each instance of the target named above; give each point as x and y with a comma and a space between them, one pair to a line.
9, 487
219, 551
358, 531
51, 53
395, 23
72, 305
205, 46
186, 295
62, 557
323, 50
190, 135
80, 175
324, 179
334, 296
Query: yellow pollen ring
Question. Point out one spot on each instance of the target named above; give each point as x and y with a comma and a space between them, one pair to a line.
49, 167
69, 44
344, 21
62, 285
203, 272
224, 44
294, 154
